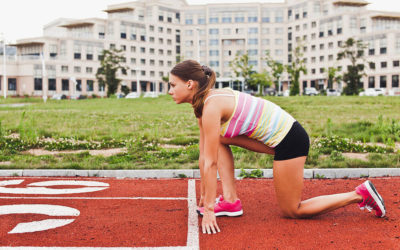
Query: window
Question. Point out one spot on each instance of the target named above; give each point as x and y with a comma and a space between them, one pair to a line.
213, 31
123, 47
161, 52
123, 35
189, 21
265, 41
214, 53
313, 24
38, 84
330, 57
160, 63
89, 85
253, 30
201, 20
313, 59
133, 60
79, 85
321, 70
383, 51
213, 42
321, 58
77, 56
89, 57
278, 30
278, 41
371, 82
253, 41
252, 19
395, 81
143, 61
226, 31
382, 82
160, 40
321, 46
253, 62
239, 19
226, 19
64, 69
89, 70
133, 49
214, 63
214, 20
372, 65
312, 72
77, 69
152, 51
64, 84
12, 84
383, 65
396, 63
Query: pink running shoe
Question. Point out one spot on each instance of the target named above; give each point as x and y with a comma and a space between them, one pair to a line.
224, 208
371, 199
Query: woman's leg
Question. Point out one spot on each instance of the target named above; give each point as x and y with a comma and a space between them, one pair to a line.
288, 182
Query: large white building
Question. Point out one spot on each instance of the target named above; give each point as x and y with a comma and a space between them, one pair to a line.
154, 34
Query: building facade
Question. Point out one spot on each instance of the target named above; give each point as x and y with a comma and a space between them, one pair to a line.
155, 34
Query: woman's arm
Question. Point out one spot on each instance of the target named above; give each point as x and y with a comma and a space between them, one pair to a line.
201, 163
211, 119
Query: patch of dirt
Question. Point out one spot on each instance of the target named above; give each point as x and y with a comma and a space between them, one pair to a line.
5, 163
103, 152
359, 156
171, 146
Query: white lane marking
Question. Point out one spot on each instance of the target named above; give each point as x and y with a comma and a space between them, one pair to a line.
51, 210
35, 226
93, 198
193, 224
42, 225
95, 248
69, 183
92, 186
10, 182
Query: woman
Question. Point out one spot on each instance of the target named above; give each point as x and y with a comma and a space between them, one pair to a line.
228, 117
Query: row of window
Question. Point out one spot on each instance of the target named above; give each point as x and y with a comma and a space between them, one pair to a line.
383, 81
250, 19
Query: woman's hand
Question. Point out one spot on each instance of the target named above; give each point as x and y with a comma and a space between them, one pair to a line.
209, 222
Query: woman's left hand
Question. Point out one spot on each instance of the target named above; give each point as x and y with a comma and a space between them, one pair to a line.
209, 222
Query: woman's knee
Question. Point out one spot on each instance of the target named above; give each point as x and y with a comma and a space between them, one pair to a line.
293, 212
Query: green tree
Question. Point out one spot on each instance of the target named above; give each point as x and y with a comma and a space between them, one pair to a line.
295, 68
333, 76
260, 79
354, 51
277, 69
240, 65
111, 62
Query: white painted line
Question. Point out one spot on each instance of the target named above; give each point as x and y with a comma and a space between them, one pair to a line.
193, 224
93, 198
36, 226
69, 183
96, 248
42, 187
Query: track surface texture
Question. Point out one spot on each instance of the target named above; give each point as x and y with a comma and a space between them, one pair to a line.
132, 213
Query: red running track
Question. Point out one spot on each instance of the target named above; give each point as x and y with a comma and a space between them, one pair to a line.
154, 213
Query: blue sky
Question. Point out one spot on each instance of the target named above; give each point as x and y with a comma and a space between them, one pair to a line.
26, 18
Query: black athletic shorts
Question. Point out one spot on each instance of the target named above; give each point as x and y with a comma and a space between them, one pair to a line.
295, 144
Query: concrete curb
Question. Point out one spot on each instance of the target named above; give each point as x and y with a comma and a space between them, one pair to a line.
336, 173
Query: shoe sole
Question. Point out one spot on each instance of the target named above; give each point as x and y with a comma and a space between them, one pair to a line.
375, 195
229, 214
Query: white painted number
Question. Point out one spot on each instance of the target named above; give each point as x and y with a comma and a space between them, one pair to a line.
35, 226
50, 210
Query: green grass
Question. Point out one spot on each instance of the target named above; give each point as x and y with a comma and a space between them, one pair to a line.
146, 125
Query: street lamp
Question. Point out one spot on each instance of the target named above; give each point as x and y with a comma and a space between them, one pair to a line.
4, 66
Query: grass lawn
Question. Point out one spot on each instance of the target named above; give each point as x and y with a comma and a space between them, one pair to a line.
157, 133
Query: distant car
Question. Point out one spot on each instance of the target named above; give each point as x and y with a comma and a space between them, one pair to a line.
78, 97
270, 91
332, 92
151, 94
59, 97
310, 91
132, 95
120, 95
250, 92
372, 92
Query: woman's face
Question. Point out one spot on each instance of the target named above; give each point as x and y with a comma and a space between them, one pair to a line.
180, 90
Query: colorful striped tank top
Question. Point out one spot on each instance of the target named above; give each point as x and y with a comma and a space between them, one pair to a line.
258, 119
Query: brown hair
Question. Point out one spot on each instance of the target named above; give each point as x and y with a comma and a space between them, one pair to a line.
192, 70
